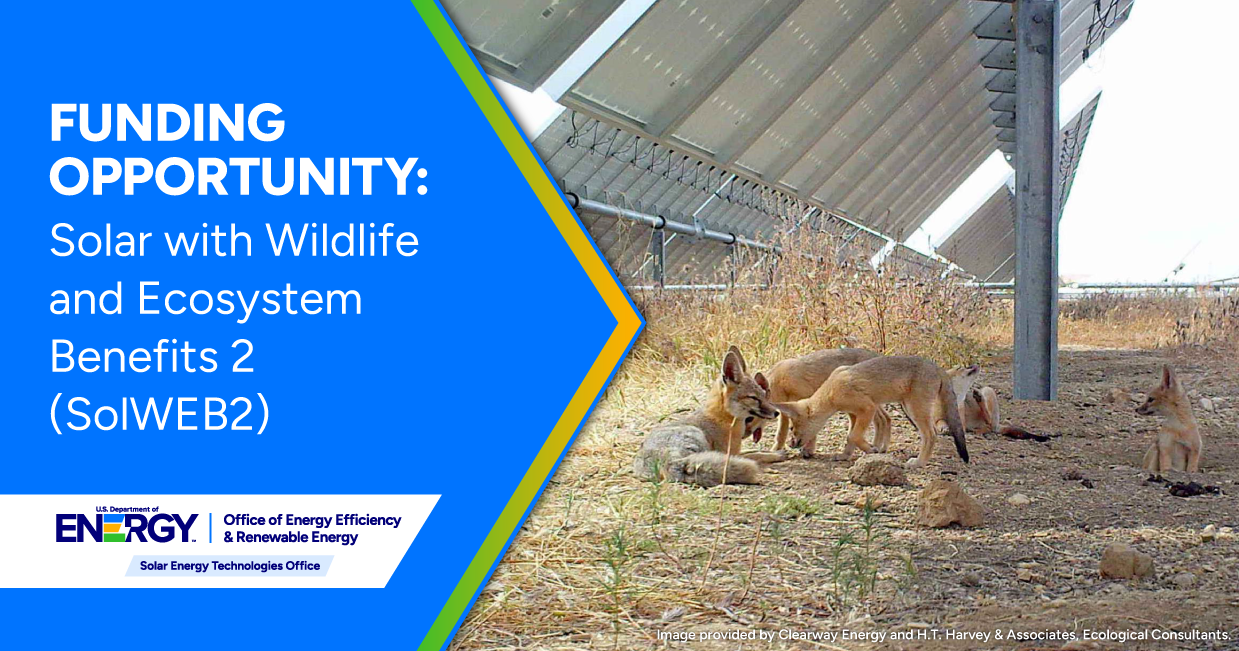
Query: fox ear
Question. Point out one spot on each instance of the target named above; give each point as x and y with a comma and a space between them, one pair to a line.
733, 367
732, 350
1168, 378
762, 381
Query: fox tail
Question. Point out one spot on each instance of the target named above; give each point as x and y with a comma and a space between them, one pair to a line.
950, 408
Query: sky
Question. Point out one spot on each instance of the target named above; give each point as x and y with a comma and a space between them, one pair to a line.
1151, 191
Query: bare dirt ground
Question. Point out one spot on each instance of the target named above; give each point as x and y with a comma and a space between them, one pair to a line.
607, 561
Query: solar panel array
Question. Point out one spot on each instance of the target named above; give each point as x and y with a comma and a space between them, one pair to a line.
984, 245
524, 41
874, 110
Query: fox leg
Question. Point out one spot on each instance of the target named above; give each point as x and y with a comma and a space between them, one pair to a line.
860, 423
1165, 450
1193, 456
922, 417
881, 430
780, 442
1151, 460
808, 443
849, 448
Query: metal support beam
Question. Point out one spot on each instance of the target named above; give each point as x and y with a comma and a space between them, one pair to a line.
658, 250
1036, 199
1004, 120
733, 259
659, 222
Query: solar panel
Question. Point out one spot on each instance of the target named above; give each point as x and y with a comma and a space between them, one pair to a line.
985, 242
873, 110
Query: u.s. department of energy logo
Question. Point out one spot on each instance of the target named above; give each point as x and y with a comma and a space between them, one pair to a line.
123, 527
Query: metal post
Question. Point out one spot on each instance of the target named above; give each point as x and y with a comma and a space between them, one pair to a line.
658, 245
1036, 199
734, 256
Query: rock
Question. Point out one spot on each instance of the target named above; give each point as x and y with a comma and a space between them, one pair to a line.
1029, 576
1119, 561
944, 503
1118, 396
872, 501
1208, 534
1206, 404
971, 579
673, 614
874, 469
1183, 580
1019, 499
1071, 474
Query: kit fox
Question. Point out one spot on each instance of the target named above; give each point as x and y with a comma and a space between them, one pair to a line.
704, 448
799, 377
981, 410
978, 408
1179, 441
859, 390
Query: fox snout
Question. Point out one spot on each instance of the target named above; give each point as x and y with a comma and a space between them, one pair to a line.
766, 412
1149, 408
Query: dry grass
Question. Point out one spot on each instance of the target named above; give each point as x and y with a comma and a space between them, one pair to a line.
607, 561
1151, 320
819, 303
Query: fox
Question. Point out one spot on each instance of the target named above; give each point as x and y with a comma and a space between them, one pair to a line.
859, 390
704, 448
981, 410
978, 408
1179, 442
799, 377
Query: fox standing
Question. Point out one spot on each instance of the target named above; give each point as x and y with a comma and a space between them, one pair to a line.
1179, 441
704, 448
799, 377
860, 390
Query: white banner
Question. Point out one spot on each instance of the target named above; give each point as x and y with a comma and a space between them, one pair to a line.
207, 541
